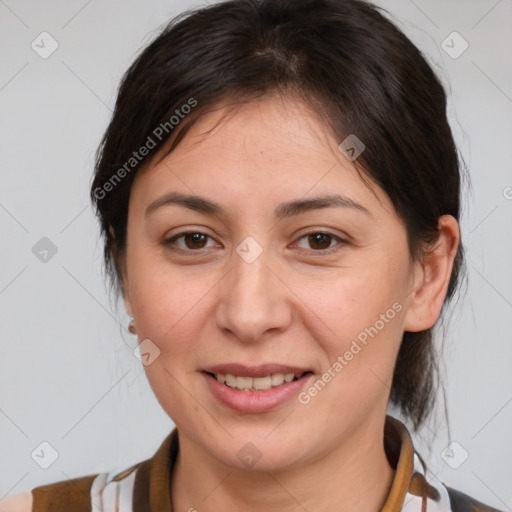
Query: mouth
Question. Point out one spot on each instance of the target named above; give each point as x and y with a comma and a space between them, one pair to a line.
255, 389
264, 383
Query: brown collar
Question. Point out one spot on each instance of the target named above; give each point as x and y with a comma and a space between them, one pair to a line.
400, 452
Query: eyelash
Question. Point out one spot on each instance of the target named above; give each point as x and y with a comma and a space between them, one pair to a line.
170, 241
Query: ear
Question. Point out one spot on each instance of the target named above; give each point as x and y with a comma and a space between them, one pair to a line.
432, 277
120, 266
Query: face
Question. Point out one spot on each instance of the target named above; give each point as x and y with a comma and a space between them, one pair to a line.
266, 286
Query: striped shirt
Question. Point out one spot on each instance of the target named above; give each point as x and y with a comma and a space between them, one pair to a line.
145, 486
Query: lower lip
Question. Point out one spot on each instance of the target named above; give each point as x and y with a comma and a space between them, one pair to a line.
255, 401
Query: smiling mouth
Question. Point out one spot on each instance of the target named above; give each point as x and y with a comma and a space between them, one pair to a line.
264, 383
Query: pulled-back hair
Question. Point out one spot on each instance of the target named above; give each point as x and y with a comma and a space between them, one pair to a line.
359, 73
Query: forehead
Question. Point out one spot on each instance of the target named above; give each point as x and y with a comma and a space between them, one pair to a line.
271, 126
261, 150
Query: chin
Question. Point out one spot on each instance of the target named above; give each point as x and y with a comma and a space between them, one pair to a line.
255, 453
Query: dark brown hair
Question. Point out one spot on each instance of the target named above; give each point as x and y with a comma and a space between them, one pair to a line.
346, 60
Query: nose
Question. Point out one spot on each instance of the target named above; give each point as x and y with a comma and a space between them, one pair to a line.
253, 301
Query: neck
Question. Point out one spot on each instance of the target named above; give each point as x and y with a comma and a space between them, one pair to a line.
356, 475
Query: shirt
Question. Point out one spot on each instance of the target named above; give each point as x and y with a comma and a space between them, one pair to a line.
144, 487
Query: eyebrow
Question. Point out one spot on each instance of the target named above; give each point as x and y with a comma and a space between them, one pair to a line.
203, 205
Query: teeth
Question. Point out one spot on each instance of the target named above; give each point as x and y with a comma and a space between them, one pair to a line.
277, 379
256, 384
243, 382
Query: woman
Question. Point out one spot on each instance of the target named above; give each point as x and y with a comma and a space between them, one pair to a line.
279, 193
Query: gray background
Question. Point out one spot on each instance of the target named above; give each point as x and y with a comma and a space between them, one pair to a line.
67, 372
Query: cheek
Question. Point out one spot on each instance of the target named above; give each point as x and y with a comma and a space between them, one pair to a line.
354, 302
363, 310
168, 303
368, 323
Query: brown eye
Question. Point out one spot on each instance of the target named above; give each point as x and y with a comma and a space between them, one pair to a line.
191, 241
321, 242
194, 240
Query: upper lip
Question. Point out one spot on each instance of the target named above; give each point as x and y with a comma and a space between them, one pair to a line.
262, 370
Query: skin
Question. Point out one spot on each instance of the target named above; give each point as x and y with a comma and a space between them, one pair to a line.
294, 304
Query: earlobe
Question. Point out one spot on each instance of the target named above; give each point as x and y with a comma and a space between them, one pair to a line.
432, 277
